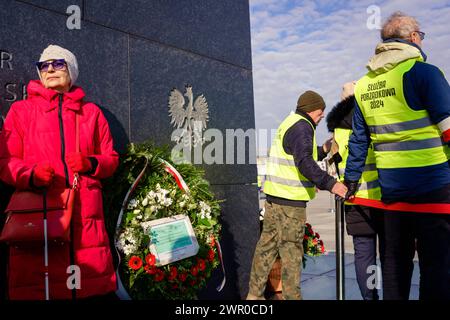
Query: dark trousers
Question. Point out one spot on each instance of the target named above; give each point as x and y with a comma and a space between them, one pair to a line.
365, 256
404, 233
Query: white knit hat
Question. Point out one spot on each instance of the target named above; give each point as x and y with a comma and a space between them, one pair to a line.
57, 52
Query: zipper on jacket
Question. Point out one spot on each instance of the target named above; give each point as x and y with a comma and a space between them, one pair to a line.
63, 144
66, 172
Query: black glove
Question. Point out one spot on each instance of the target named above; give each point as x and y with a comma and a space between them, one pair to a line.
352, 187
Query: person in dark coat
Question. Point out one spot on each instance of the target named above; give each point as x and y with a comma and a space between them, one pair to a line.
362, 223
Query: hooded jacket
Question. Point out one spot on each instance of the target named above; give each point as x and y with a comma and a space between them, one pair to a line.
425, 88
32, 134
360, 220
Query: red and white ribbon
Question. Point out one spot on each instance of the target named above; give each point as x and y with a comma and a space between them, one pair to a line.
121, 292
176, 175
183, 186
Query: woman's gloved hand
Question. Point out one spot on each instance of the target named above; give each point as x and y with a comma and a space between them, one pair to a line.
78, 162
352, 188
42, 175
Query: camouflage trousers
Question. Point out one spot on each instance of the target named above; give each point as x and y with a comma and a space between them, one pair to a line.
283, 231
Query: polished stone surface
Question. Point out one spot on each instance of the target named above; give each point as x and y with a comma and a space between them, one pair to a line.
97, 49
240, 233
213, 29
155, 70
59, 6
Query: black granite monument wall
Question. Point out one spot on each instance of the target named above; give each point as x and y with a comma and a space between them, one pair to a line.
131, 54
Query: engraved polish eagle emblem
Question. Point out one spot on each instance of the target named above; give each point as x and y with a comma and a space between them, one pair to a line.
191, 119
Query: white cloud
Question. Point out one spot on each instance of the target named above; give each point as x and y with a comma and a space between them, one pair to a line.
319, 45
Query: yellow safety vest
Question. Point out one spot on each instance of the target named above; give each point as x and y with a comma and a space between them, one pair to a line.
368, 186
283, 179
402, 137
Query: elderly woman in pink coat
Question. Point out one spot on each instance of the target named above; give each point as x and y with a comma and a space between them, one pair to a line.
38, 150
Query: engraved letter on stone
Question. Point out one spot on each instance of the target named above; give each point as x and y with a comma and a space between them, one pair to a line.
5, 60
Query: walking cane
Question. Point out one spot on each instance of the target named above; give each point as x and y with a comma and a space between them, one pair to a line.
339, 224
47, 293
340, 250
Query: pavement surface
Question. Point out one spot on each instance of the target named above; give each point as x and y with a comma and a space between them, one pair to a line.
319, 276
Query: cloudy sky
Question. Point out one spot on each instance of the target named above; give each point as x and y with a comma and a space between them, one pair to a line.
319, 45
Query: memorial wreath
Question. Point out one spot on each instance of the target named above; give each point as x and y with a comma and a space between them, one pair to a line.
156, 189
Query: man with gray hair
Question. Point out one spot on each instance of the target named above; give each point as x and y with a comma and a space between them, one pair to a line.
403, 108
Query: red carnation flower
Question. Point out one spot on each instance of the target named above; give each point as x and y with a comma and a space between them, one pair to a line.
322, 249
150, 269
201, 264
159, 275
211, 255
150, 259
306, 237
192, 282
194, 270
135, 263
182, 277
173, 273
317, 235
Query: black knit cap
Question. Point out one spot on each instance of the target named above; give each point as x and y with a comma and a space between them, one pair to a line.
310, 101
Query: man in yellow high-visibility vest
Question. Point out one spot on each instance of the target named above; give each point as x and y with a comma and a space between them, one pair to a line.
403, 109
291, 179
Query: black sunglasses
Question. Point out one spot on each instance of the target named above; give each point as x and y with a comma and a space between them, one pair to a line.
421, 34
58, 64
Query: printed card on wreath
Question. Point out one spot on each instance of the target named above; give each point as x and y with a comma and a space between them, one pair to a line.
172, 239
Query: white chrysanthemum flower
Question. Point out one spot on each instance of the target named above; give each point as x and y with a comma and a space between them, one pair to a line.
167, 202
128, 243
151, 195
137, 211
204, 215
128, 249
161, 196
133, 204
204, 206
181, 204
205, 210
145, 202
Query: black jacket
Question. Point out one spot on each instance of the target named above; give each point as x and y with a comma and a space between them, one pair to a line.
360, 220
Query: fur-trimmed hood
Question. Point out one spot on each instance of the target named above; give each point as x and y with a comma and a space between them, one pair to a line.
341, 114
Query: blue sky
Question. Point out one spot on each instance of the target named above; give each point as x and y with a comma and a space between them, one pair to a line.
319, 45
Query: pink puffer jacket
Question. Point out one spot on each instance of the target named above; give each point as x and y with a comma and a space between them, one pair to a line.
32, 134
